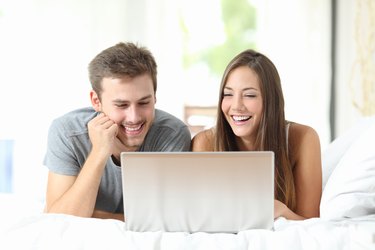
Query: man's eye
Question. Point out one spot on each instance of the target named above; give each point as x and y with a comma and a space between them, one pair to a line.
121, 105
144, 103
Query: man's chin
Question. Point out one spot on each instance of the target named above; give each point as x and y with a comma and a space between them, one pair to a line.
131, 141
133, 145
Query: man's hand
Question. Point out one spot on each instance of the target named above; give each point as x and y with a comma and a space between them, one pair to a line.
102, 133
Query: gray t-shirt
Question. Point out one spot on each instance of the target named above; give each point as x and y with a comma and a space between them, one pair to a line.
69, 145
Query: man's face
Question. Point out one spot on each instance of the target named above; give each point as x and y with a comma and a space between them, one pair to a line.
130, 103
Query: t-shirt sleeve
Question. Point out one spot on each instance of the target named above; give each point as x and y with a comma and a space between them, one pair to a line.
177, 140
168, 139
60, 157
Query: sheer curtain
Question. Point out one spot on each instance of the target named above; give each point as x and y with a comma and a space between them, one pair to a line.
355, 62
45, 47
155, 24
296, 35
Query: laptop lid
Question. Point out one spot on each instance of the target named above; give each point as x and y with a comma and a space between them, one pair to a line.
198, 191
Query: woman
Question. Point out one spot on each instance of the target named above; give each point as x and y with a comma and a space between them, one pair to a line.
251, 118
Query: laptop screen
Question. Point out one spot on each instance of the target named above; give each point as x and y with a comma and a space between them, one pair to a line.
198, 191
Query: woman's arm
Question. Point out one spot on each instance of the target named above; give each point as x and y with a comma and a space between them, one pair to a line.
106, 215
307, 171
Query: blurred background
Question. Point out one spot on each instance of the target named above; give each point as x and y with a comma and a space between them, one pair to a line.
323, 49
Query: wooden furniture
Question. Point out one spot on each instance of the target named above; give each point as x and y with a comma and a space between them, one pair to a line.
199, 117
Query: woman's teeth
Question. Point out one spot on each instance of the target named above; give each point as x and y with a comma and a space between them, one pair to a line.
240, 118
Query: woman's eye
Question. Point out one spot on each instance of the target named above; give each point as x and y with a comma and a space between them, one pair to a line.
227, 94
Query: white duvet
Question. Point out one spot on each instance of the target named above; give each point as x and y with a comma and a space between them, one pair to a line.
347, 215
56, 231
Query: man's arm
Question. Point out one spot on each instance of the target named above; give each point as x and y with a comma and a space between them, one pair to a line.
76, 195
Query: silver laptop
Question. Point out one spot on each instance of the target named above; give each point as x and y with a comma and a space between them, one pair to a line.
192, 192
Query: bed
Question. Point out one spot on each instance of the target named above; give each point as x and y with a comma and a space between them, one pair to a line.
347, 215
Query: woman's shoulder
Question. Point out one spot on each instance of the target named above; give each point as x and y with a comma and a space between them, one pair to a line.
298, 131
302, 139
203, 140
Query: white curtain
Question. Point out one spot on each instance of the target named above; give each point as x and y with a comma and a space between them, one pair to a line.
296, 36
355, 62
46, 45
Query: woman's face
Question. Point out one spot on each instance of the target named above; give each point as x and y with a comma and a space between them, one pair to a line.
242, 102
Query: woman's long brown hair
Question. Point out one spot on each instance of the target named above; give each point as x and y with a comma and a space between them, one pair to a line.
271, 134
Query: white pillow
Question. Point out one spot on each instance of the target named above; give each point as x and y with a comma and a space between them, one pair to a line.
350, 189
338, 148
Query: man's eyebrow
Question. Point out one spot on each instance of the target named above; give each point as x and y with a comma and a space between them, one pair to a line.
125, 101
119, 101
145, 97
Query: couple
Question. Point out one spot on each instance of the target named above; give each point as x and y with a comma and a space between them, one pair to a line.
84, 146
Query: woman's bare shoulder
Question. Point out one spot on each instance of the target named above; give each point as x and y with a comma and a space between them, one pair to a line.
303, 140
203, 140
300, 132
305, 155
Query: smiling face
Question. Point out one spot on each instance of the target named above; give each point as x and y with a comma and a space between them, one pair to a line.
242, 102
130, 103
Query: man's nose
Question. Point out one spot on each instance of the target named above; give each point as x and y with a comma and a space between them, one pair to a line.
132, 114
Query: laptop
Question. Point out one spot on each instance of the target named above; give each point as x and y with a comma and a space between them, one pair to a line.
214, 192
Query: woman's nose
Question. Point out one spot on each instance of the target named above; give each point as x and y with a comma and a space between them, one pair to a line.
237, 103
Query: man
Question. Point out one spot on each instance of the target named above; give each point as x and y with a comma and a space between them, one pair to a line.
84, 146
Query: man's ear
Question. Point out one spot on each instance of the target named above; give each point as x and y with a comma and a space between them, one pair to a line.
95, 101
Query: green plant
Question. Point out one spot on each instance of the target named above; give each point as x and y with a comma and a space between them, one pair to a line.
239, 19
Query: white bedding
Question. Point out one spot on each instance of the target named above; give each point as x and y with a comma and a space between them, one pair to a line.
347, 215
57, 231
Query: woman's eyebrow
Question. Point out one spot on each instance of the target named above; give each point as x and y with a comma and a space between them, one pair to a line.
244, 89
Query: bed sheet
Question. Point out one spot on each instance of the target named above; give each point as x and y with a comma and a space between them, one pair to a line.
58, 231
